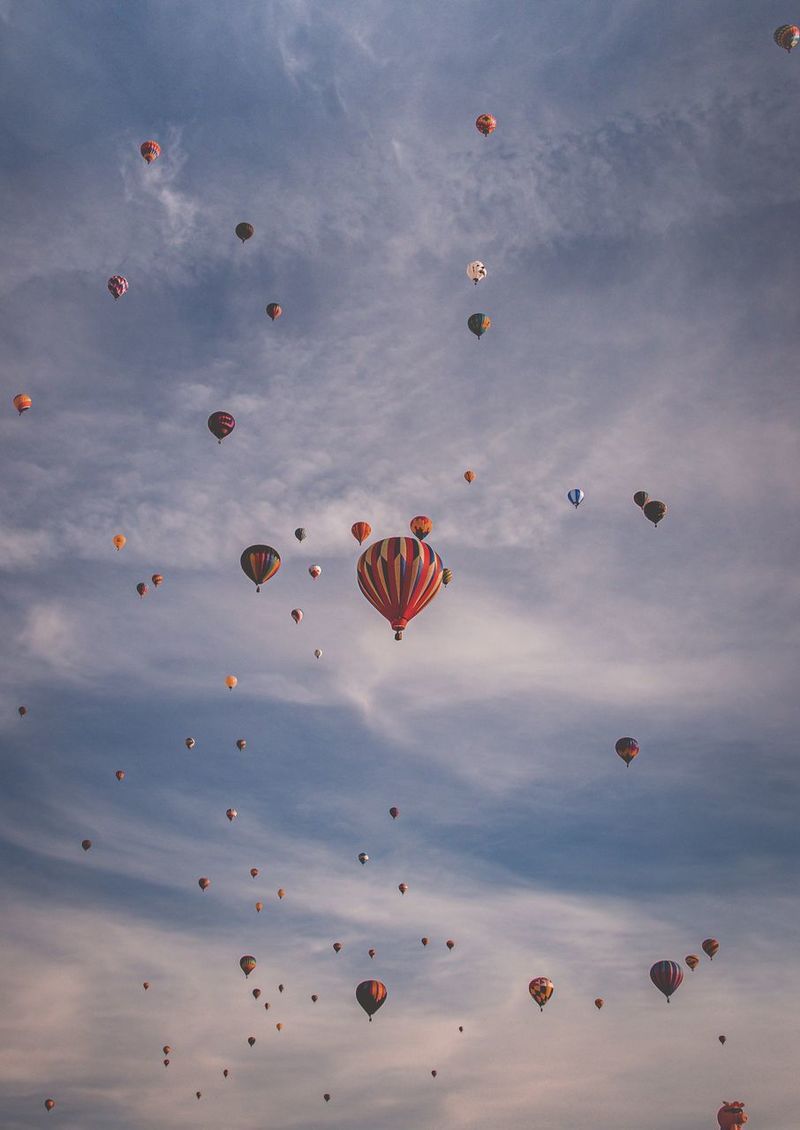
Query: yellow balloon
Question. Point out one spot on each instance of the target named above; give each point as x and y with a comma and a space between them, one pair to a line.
119, 540
231, 681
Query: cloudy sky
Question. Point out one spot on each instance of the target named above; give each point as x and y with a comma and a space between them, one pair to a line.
637, 210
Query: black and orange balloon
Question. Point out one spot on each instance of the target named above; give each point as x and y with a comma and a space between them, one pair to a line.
157, 579
420, 526
274, 311
371, 995
256, 994
221, 424
469, 476
259, 907
627, 749
337, 947
279, 1027
259, 563
711, 947
281, 893
245, 231
241, 743
599, 1002
150, 151
399, 577
204, 883
360, 530
654, 511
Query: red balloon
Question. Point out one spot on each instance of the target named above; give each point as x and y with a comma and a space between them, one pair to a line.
399, 577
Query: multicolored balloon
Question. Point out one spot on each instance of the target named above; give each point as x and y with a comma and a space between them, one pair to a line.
420, 526
157, 580
692, 960
274, 311
247, 964
667, 977
221, 424
476, 271
371, 995
259, 563
447, 576
22, 402
297, 615
787, 36
731, 1114
479, 324
314, 571
485, 124
711, 947
360, 530
627, 749
150, 150
399, 577
117, 286
142, 590
541, 989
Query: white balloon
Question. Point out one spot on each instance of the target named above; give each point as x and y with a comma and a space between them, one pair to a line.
476, 271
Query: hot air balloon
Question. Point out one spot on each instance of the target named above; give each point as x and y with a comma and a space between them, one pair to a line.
449, 943
360, 530
230, 681
399, 577
599, 1002
142, 589
300, 533
145, 985
281, 892
327, 1097
221, 424
22, 711
692, 960
117, 286
259, 563
314, 998
479, 324
190, 743
363, 858
541, 989
447, 576
274, 311
198, 1094
256, 993
485, 124
666, 976
86, 844
225, 1072
627, 749
251, 1040
371, 953
476, 271
402, 888
166, 1062
640, 498
245, 231
787, 36
231, 813
167, 1050
254, 872
576, 496
315, 571
49, 1104
259, 907
434, 1073
337, 946
371, 995
710, 947
461, 1028
424, 941
204, 883
22, 402
394, 812
247, 964
279, 1027
722, 1039
731, 1114
318, 653
654, 511
297, 615
150, 150
420, 526
241, 744
469, 476
120, 774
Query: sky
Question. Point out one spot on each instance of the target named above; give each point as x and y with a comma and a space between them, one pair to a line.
636, 209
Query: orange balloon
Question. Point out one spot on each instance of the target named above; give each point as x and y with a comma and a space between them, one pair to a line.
118, 540
360, 530
230, 681
22, 402
469, 476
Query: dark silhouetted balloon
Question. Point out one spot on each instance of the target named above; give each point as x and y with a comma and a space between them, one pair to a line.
221, 424
371, 995
666, 976
245, 231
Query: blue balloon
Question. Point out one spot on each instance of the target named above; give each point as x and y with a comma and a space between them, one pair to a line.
575, 496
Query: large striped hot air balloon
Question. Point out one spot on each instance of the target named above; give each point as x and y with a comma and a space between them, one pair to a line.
259, 563
666, 976
399, 577
371, 995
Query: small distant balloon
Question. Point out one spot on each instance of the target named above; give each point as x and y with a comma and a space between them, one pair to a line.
469, 476
281, 892
476, 271
450, 943
274, 311
279, 1027
360, 530
420, 526
722, 1039
118, 541
371, 953
787, 36
363, 858
667, 977
318, 653
231, 813
434, 1073
371, 996
120, 774
692, 960
241, 743
225, 1072
402, 888
198, 1094
541, 989
247, 964
251, 1040
479, 324
157, 579
190, 743
627, 749
259, 907
711, 947
22, 402
166, 1049
256, 994
576, 496
447, 576
424, 941
640, 498
245, 231
300, 533
326, 1097
254, 872
142, 589
230, 681
166, 1062
49, 1104
485, 124
221, 424
732, 1114
297, 615
337, 946
150, 151
145, 985
394, 812
204, 883
654, 511
117, 286
22, 711
599, 1002
315, 571
86, 844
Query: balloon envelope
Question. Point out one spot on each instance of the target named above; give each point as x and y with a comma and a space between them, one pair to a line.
541, 989
245, 231
710, 947
485, 124
787, 36
150, 150
360, 530
274, 311
221, 424
247, 964
476, 271
627, 749
667, 977
420, 526
479, 323
654, 511
399, 577
117, 286
22, 402
259, 563
371, 995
